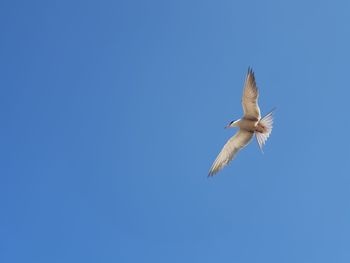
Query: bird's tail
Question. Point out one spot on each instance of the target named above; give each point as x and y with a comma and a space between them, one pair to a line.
264, 129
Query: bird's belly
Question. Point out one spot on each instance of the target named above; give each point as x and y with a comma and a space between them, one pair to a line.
260, 128
248, 125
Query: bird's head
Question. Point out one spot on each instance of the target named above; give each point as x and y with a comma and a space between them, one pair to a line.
233, 124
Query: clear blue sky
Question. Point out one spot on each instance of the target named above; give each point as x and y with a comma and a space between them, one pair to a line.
113, 111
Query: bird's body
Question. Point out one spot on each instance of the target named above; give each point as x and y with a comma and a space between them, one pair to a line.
250, 124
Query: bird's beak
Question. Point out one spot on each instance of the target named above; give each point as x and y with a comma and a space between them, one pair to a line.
227, 126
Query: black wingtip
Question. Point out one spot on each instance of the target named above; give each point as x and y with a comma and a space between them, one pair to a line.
211, 174
250, 70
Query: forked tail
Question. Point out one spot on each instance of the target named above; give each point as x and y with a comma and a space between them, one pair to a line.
264, 129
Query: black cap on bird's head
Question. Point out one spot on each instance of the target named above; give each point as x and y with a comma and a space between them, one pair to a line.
232, 124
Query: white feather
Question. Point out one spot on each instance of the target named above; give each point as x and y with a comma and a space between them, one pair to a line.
267, 122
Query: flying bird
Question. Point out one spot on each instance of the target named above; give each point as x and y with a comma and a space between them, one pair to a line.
251, 123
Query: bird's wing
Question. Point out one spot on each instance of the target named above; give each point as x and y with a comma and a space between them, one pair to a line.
230, 149
250, 97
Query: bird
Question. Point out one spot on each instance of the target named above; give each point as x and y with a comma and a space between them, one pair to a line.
249, 125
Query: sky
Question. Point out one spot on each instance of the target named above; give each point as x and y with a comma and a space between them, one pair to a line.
112, 113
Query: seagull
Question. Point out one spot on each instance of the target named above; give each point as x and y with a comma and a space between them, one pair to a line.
250, 124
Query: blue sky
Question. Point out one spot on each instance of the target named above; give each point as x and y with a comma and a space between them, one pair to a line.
112, 113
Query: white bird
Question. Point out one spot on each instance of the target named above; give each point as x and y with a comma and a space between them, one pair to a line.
250, 124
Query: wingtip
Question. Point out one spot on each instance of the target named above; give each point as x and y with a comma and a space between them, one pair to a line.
250, 70
211, 173
250, 73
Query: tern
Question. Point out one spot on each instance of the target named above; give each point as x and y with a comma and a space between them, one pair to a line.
251, 123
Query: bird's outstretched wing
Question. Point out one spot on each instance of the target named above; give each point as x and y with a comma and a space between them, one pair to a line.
250, 97
230, 149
